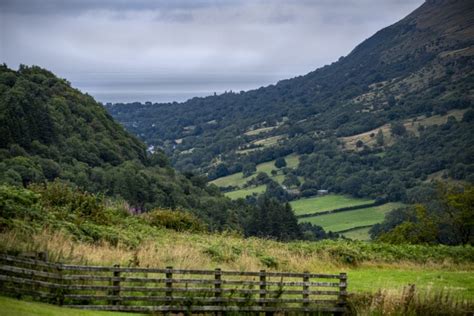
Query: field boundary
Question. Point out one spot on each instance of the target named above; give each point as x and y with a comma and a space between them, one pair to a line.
353, 228
116, 288
342, 209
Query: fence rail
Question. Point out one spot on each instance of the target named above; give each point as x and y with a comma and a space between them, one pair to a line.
128, 289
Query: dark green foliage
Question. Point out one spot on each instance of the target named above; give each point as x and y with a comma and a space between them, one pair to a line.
291, 180
176, 220
274, 220
248, 169
444, 216
280, 162
314, 232
398, 129
379, 138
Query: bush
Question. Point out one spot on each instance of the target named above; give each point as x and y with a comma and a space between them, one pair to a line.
176, 220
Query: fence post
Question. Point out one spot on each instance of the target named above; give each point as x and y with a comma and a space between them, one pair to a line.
263, 286
342, 292
43, 255
116, 283
169, 283
306, 290
217, 287
60, 290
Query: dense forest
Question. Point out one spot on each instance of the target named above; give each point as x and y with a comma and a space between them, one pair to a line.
418, 68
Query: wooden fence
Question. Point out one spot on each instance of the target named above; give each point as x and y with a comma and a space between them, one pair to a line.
171, 290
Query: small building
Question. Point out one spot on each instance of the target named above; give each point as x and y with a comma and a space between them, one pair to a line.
323, 192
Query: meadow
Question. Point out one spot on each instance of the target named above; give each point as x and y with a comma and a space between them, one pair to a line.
325, 203
238, 180
358, 234
350, 219
242, 193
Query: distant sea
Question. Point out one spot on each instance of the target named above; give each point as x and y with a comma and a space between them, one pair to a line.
160, 88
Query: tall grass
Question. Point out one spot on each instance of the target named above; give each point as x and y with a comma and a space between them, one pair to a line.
410, 302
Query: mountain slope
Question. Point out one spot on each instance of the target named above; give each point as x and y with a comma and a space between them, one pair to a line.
421, 64
419, 67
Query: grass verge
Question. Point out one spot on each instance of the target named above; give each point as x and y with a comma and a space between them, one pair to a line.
13, 307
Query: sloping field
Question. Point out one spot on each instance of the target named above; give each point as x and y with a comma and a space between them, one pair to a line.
346, 220
238, 180
410, 124
242, 193
358, 234
325, 203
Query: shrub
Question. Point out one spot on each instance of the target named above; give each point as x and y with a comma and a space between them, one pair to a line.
176, 220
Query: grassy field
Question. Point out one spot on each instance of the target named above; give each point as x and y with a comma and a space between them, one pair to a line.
238, 180
459, 282
345, 220
269, 141
358, 234
242, 193
260, 130
410, 124
325, 203
13, 307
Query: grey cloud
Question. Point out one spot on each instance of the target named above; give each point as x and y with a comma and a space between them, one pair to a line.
180, 47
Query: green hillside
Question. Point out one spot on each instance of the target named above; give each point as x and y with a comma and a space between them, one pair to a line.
51, 131
393, 82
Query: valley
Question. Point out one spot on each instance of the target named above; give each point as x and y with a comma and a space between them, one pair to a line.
363, 167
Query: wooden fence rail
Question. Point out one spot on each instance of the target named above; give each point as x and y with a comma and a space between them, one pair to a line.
130, 289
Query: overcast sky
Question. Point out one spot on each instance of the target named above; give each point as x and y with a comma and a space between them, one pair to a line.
140, 50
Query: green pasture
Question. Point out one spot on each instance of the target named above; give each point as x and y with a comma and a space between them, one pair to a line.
242, 193
459, 283
325, 203
358, 234
345, 220
238, 180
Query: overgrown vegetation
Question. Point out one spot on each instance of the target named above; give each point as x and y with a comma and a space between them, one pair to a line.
444, 216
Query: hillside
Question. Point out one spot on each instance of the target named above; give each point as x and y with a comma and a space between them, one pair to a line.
419, 65
415, 69
51, 131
